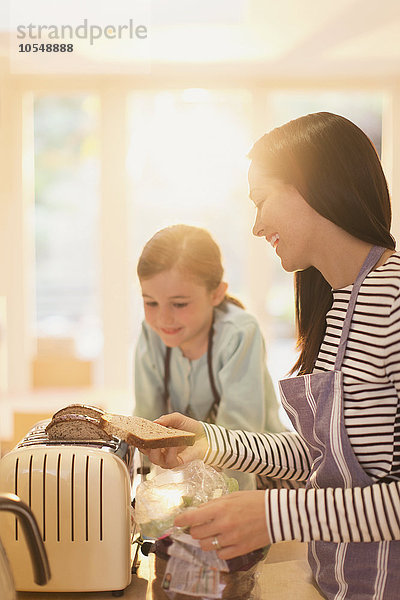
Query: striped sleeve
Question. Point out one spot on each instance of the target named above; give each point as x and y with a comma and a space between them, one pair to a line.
280, 455
368, 514
392, 345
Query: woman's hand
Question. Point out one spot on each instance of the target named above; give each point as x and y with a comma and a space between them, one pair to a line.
236, 520
175, 456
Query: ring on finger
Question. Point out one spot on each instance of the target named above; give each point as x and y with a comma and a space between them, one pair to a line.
215, 543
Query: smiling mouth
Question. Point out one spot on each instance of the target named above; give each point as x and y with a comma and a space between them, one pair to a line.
273, 240
170, 331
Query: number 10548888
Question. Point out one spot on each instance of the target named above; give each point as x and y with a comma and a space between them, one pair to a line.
45, 48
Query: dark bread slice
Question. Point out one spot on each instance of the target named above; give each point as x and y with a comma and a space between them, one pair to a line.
80, 409
143, 433
75, 427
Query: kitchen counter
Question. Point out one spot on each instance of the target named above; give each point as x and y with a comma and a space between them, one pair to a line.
283, 575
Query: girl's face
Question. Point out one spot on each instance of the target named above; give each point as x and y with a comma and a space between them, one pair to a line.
285, 219
179, 310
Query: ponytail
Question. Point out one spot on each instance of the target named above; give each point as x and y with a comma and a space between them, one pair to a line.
231, 300
313, 299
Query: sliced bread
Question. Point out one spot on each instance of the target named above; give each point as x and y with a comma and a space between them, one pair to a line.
80, 409
75, 427
143, 433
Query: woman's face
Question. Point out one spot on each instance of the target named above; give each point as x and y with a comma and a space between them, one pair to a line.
285, 219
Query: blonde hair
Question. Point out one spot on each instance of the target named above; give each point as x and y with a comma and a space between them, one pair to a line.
190, 249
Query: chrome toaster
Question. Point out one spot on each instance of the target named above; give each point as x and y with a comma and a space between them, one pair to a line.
80, 493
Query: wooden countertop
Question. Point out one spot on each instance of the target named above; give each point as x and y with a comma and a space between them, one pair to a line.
283, 575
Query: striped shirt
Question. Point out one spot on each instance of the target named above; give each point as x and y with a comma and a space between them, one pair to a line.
371, 387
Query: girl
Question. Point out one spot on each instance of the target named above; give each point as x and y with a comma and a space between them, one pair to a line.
199, 352
323, 203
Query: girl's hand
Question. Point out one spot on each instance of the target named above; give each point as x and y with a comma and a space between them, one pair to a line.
236, 520
171, 457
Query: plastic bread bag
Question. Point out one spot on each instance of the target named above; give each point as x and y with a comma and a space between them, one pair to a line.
241, 563
157, 503
159, 500
186, 580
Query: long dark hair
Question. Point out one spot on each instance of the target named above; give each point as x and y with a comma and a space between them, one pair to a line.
335, 167
190, 249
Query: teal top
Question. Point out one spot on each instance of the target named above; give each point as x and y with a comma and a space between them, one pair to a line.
248, 400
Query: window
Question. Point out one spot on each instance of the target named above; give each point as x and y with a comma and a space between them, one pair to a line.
67, 221
186, 163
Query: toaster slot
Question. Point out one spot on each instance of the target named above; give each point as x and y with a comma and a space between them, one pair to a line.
44, 475
73, 498
58, 497
30, 482
101, 500
16, 492
87, 499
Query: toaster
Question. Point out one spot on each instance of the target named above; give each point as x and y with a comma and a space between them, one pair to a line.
80, 494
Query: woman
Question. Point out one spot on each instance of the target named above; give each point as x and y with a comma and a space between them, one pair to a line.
322, 202
199, 352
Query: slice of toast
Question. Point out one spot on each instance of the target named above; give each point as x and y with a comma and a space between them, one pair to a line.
75, 427
80, 409
143, 433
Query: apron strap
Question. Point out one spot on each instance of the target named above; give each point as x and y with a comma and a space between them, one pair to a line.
212, 413
167, 361
373, 256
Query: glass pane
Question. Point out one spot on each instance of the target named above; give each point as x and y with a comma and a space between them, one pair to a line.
363, 108
187, 163
66, 221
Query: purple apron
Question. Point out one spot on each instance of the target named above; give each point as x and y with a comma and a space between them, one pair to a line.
314, 403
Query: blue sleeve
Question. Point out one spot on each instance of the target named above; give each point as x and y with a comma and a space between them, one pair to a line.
248, 399
148, 377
